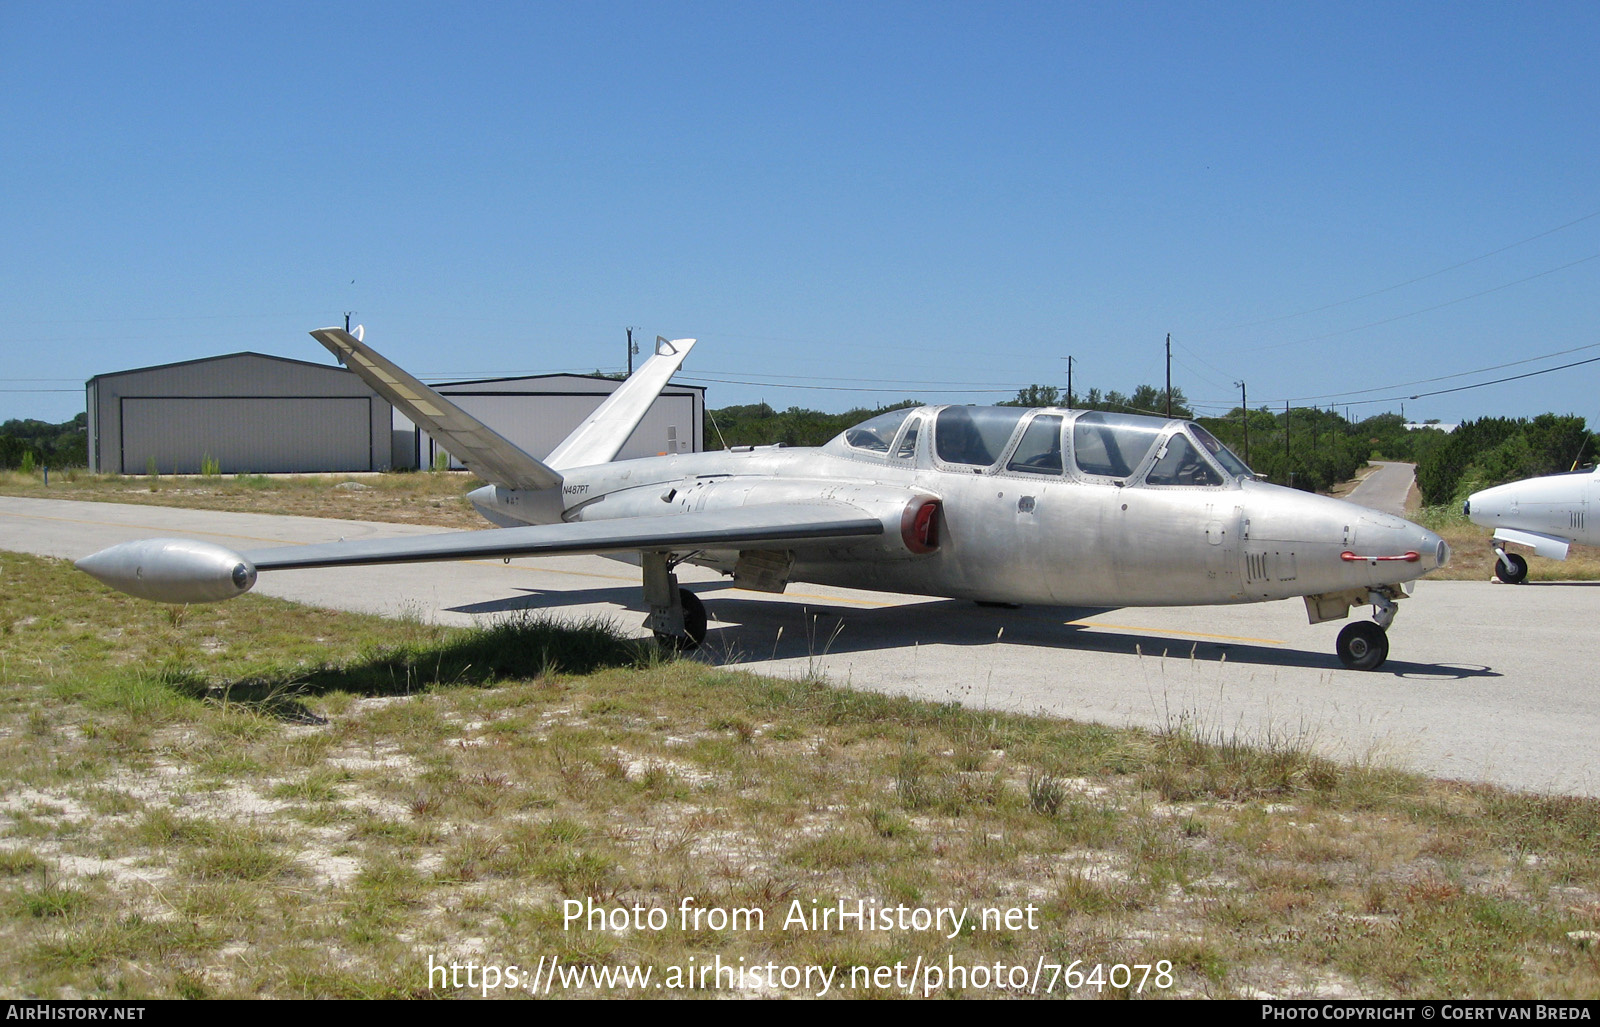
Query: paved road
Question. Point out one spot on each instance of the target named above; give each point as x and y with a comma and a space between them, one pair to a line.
1485, 682
1386, 488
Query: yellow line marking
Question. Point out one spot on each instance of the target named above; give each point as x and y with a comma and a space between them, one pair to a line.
1172, 631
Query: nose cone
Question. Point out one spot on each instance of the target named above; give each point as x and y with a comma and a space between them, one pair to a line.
1488, 506
1338, 544
1384, 539
1435, 546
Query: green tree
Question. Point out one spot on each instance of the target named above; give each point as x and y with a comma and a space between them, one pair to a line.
1036, 396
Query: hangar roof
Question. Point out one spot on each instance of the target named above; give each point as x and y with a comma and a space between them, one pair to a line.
225, 356
548, 378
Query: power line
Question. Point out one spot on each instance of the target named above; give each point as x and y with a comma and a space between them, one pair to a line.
1425, 310
1447, 377
1479, 385
888, 387
1458, 388
1409, 281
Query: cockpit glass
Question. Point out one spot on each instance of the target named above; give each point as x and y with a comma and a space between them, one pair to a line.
1180, 463
908, 442
1039, 452
1112, 445
974, 435
877, 434
1222, 454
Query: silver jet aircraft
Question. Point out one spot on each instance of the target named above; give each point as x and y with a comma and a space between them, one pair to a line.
994, 504
1546, 514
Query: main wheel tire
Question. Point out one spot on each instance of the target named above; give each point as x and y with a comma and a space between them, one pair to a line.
694, 624
1518, 572
1363, 646
694, 616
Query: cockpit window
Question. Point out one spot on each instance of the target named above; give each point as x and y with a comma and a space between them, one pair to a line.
974, 435
907, 450
1039, 452
1224, 456
1180, 463
876, 435
1112, 445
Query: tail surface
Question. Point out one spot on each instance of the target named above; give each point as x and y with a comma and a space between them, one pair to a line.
602, 434
488, 454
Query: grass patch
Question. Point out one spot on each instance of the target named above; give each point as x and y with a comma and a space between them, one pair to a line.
303, 811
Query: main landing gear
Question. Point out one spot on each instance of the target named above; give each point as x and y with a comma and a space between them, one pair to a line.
1509, 567
1364, 645
677, 616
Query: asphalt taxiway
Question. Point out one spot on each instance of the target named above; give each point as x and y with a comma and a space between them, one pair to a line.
1484, 682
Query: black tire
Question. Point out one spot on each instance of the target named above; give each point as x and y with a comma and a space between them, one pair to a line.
1518, 572
1363, 646
694, 624
694, 616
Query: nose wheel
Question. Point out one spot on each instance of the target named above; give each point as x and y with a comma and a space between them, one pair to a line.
1510, 567
1363, 646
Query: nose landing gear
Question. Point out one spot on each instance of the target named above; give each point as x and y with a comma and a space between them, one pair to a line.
1509, 567
1364, 645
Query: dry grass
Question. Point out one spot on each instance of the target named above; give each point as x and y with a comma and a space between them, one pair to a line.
259, 799
401, 498
1472, 556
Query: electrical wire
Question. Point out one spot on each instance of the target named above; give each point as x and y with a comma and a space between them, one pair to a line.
1447, 377
1409, 281
1478, 385
1424, 310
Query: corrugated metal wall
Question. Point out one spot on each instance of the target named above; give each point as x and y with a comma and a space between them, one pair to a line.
254, 435
253, 413
536, 413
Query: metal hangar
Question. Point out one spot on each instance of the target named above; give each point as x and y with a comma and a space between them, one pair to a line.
535, 413
249, 412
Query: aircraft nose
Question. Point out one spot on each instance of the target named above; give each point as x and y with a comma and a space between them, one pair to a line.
1434, 549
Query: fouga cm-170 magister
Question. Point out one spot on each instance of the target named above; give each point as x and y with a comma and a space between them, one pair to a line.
994, 504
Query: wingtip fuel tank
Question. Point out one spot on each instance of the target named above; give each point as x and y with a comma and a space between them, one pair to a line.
172, 570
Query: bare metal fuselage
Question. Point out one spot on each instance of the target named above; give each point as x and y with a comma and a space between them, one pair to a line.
1014, 537
1047, 506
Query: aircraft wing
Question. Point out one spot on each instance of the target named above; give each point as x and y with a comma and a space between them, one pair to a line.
776, 526
188, 571
481, 448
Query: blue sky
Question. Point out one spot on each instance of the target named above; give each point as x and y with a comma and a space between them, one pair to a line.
847, 203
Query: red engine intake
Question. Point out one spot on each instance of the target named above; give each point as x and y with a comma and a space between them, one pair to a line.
919, 525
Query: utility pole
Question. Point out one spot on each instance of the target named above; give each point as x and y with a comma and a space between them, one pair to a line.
1288, 455
1169, 374
1069, 383
632, 349
1244, 415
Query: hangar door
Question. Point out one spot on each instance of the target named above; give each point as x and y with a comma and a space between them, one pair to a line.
247, 434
